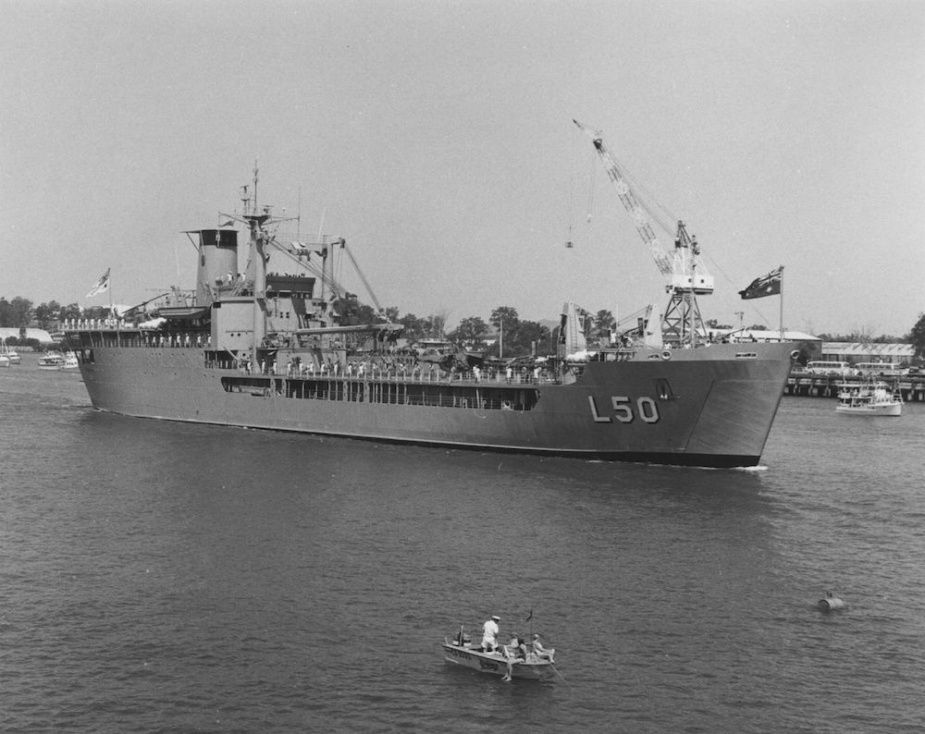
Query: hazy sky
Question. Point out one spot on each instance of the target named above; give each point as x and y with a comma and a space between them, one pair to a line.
436, 137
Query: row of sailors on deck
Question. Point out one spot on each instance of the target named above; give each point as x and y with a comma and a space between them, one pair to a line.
109, 323
297, 368
176, 340
360, 370
520, 374
401, 370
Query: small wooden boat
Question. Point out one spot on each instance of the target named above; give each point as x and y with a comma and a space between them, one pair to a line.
496, 663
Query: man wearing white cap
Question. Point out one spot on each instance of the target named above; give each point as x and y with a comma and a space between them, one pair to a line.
490, 634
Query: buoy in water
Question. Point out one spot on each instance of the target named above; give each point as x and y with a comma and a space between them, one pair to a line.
831, 603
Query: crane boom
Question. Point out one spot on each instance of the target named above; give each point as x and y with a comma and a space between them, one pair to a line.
629, 201
684, 270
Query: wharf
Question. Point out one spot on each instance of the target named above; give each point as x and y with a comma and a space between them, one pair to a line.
912, 388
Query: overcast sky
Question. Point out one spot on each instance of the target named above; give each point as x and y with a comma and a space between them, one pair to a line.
437, 138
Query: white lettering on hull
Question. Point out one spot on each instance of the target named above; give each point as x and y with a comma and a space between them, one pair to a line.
597, 418
646, 409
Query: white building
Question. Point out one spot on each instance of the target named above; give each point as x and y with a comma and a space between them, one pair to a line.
868, 352
41, 335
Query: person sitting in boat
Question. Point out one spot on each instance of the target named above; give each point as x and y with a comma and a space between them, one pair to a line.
515, 651
541, 652
516, 648
490, 634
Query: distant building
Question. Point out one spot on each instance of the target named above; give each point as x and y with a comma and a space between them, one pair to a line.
42, 336
762, 335
868, 352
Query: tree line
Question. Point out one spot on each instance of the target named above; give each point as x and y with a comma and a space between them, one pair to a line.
510, 336
517, 337
20, 313
520, 337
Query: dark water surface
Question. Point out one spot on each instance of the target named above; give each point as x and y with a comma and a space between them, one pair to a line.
164, 577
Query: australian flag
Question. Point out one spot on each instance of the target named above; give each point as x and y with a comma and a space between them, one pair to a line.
769, 285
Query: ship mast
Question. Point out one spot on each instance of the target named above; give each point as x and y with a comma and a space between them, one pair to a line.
258, 242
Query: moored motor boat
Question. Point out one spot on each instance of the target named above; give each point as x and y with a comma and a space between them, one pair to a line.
8, 356
870, 398
52, 361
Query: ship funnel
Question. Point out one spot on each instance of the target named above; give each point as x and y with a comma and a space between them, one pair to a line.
218, 263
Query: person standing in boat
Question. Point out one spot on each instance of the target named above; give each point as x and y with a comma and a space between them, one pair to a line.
490, 634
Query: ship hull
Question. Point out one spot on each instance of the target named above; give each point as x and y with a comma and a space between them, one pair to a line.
710, 407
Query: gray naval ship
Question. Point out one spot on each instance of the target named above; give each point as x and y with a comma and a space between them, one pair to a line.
260, 344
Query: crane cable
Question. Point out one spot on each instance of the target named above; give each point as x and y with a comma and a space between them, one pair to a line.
369, 289
328, 280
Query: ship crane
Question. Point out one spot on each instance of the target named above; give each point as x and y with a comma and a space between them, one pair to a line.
686, 275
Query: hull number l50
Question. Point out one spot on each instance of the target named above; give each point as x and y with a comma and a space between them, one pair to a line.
624, 411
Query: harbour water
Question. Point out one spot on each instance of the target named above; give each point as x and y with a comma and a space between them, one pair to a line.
166, 577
